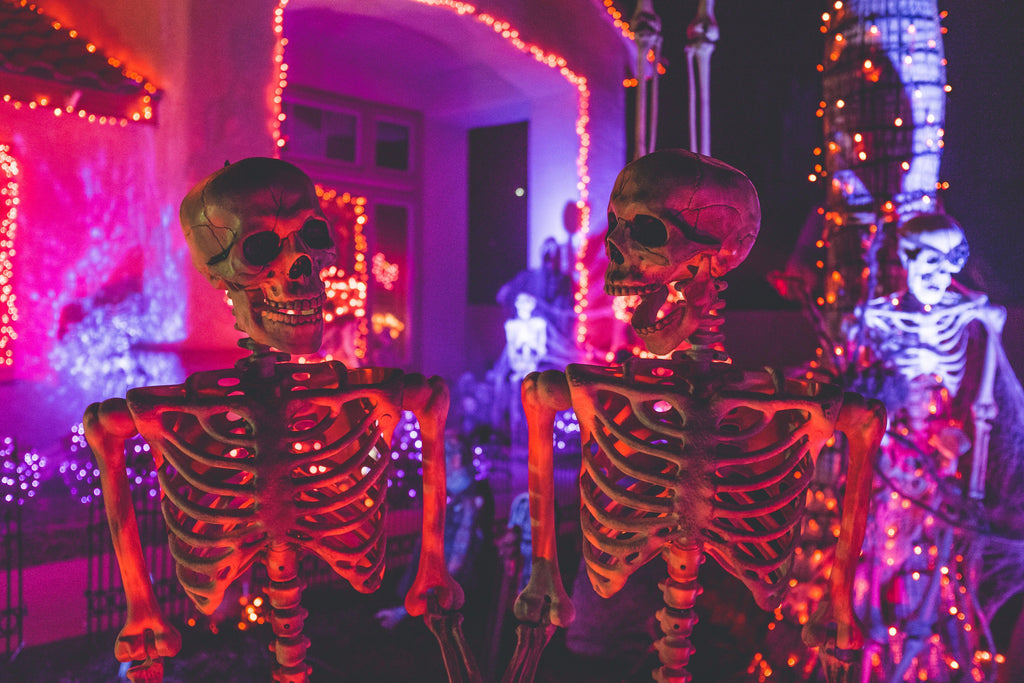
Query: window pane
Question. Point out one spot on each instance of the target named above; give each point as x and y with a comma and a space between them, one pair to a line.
340, 130
393, 146
303, 130
389, 285
498, 218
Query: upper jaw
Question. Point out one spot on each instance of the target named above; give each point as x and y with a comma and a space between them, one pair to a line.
300, 311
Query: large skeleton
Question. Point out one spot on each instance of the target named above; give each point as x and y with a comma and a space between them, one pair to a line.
270, 459
691, 455
922, 336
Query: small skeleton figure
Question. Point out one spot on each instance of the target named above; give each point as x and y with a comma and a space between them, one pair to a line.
269, 459
526, 337
690, 455
926, 563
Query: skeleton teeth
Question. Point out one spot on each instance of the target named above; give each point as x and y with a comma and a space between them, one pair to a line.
622, 290
297, 306
659, 325
295, 312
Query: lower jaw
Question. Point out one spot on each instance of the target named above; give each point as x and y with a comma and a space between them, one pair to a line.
663, 325
294, 337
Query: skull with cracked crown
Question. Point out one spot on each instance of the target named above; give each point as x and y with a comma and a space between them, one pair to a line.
932, 249
676, 220
255, 228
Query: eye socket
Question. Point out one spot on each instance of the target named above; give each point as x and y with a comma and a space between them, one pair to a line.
316, 234
612, 222
261, 248
649, 231
912, 253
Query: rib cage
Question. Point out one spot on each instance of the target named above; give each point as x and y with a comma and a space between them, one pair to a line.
726, 465
943, 332
298, 458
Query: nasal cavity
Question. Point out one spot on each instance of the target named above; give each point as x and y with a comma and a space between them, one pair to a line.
614, 255
303, 266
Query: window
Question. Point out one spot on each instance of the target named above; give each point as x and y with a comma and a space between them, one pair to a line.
389, 283
497, 208
369, 150
374, 139
321, 133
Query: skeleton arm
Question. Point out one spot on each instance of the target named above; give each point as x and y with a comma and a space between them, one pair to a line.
984, 410
863, 423
107, 427
544, 394
429, 400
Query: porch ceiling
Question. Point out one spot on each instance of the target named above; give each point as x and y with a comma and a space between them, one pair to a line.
414, 56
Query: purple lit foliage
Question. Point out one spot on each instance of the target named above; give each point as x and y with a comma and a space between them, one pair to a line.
103, 239
20, 472
567, 433
82, 476
406, 480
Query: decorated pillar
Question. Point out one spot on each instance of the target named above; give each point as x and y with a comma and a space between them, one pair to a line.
883, 108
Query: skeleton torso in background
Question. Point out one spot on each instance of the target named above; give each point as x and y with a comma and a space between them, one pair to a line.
930, 342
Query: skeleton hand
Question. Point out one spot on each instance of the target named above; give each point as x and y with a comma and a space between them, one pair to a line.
144, 636
544, 590
829, 630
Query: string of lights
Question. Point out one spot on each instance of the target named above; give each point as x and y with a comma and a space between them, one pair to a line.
66, 96
883, 110
8, 229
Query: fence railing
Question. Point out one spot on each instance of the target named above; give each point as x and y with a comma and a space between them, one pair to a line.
12, 610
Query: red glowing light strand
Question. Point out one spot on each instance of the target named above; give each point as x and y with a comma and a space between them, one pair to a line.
64, 101
8, 228
277, 115
347, 292
505, 30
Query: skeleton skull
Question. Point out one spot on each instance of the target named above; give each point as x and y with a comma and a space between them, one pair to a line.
256, 229
676, 219
932, 248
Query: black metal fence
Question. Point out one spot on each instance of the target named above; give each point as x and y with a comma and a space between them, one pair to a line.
12, 610
105, 599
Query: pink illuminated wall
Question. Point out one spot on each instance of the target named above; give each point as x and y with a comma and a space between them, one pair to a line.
103, 286
95, 248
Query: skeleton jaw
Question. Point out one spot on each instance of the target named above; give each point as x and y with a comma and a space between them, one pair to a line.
662, 319
291, 325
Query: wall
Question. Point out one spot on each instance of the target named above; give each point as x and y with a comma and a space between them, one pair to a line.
461, 74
